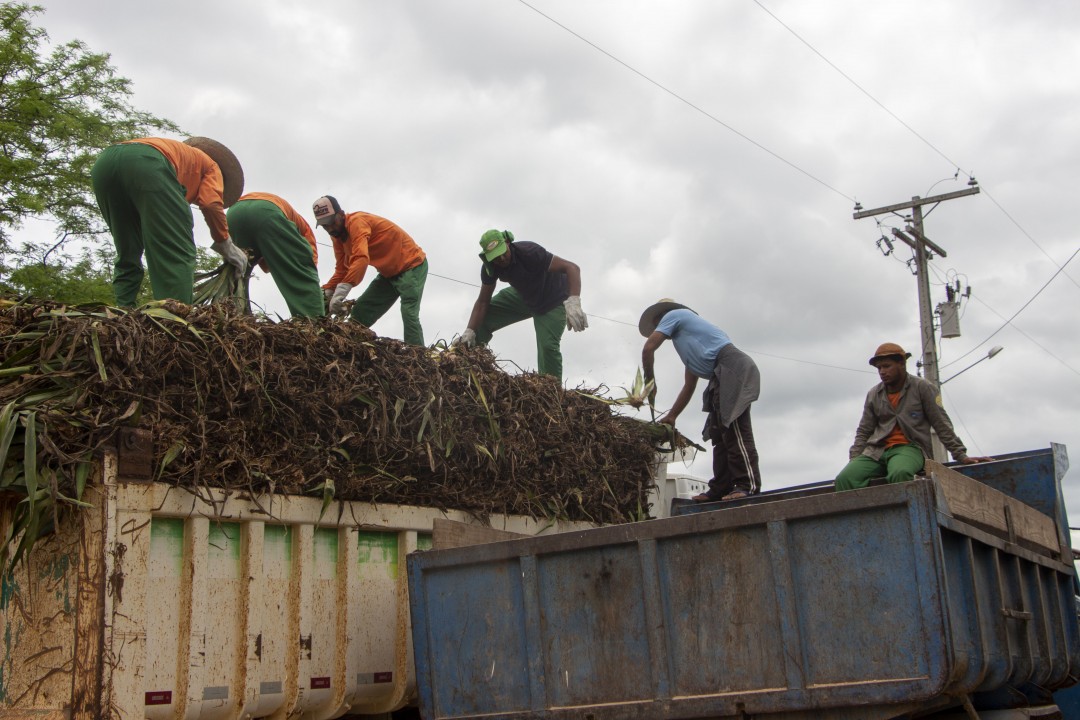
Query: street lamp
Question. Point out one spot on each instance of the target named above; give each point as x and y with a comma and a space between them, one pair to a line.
993, 351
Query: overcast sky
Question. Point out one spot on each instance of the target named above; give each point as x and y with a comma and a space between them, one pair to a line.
698, 150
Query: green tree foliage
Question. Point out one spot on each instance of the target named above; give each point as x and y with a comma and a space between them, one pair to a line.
51, 272
59, 107
55, 273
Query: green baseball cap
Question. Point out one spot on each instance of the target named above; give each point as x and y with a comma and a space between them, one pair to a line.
493, 243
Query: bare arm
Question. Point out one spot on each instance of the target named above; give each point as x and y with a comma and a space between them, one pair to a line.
687, 392
648, 354
649, 351
573, 273
480, 307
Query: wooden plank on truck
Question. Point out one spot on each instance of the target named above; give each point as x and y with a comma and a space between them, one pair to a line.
448, 534
981, 505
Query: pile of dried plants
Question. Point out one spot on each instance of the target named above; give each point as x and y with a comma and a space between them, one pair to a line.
325, 407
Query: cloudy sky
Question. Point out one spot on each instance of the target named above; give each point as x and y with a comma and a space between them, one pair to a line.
708, 151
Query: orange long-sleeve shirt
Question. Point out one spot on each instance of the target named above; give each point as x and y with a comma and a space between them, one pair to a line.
292, 216
375, 241
201, 178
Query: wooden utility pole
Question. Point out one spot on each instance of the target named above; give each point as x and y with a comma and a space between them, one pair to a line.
924, 249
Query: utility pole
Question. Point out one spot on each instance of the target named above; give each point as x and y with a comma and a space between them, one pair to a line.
914, 237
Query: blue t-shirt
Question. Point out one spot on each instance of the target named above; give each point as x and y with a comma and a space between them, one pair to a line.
528, 274
697, 341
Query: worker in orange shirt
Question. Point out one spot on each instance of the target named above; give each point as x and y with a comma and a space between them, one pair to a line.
285, 246
362, 239
145, 189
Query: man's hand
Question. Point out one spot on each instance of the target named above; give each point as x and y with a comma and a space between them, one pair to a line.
340, 293
668, 419
972, 460
232, 255
466, 338
575, 316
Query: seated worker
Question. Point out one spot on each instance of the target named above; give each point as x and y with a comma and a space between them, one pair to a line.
893, 437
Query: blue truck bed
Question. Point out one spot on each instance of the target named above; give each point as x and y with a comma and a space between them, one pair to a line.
886, 602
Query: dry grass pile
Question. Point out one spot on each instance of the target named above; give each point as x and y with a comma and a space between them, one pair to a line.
304, 407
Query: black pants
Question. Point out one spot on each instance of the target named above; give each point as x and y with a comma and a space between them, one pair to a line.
735, 458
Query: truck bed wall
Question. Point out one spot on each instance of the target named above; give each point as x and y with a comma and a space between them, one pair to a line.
157, 603
865, 604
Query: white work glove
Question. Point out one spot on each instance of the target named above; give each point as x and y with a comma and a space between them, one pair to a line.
327, 293
575, 316
340, 292
466, 338
232, 255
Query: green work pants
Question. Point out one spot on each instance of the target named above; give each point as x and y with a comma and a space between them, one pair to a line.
261, 226
146, 210
897, 464
383, 292
507, 308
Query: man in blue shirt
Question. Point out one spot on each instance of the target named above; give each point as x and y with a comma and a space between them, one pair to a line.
543, 287
734, 383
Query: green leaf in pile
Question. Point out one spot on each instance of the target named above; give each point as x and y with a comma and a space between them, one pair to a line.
8, 425
82, 471
171, 454
96, 343
30, 469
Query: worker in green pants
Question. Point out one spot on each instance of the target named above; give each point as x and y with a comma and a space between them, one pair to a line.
282, 239
145, 189
383, 292
362, 239
893, 439
543, 286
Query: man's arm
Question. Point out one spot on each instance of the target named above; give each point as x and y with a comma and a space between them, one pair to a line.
687, 392
359, 257
867, 423
480, 307
648, 353
573, 273
340, 258
939, 420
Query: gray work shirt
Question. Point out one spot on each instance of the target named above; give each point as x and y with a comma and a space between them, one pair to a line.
919, 410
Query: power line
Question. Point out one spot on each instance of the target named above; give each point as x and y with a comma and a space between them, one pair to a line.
967, 433
1015, 314
634, 325
1033, 340
680, 98
860, 87
444, 277
914, 132
1028, 235
807, 362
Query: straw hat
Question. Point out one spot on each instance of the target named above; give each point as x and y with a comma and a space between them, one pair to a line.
231, 172
651, 317
886, 350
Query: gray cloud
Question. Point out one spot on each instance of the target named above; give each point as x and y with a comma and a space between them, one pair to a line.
450, 118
